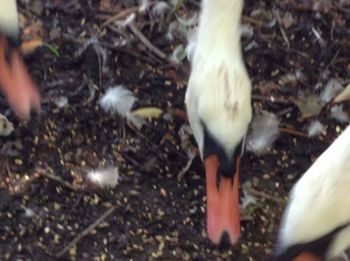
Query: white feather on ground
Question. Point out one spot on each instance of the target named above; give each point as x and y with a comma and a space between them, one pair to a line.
251, 45
60, 101
107, 177
264, 131
246, 31
160, 8
332, 88
6, 127
247, 199
171, 31
143, 5
178, 54
135, 120
192, 36
338, 113
28, 212
118, 99
315, 128
128, 20
189, 21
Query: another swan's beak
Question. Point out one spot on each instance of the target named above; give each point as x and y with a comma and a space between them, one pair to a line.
304, 256
16, 83
223, 223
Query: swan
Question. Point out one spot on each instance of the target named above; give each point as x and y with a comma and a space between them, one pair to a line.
218, 103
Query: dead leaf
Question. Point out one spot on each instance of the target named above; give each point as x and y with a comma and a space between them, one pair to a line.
309, 105
267, 88
32, 36
37, 7
30, 46
33, 30
263, 15
323, 6
148, 112
105, 5
343, 96
287, 20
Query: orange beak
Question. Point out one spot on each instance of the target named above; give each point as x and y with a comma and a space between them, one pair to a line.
223, 223
16, 83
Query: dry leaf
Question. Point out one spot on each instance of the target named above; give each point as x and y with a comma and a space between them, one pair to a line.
30, 46
105, 5
33, 31
323, 6
309, 105
287, 20
148, 112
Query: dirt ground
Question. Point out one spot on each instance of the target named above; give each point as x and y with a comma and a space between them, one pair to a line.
49, 211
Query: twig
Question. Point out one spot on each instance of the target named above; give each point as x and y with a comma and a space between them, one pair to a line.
146, 42
284, 35
120, 15
118, 31
45, 174
123, 14
285, 111
271, 99
130, 52
85, 232
248, 19
264, 195
293, 132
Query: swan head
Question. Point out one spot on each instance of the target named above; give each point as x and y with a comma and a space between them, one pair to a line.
219, 109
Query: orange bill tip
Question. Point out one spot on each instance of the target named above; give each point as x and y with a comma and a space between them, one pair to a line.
222, 204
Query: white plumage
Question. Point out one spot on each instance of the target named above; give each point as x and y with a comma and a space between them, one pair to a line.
320, 201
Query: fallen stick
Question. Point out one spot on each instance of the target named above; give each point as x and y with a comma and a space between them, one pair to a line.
45, 174
146, 42
266, 196
293, 132
85, 232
